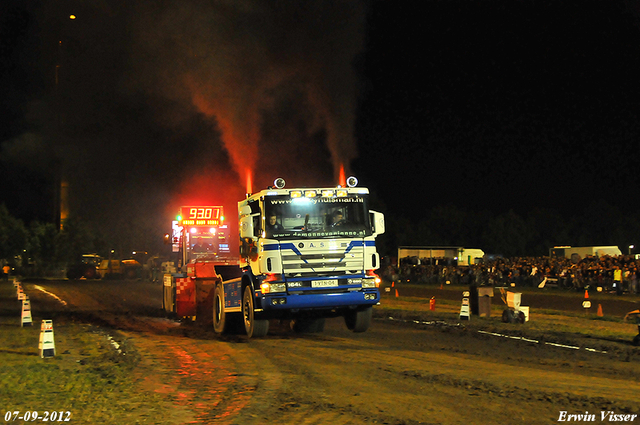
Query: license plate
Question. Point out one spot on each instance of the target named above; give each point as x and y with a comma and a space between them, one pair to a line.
324, 283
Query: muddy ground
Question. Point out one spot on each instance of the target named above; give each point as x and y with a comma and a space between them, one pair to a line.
422, 368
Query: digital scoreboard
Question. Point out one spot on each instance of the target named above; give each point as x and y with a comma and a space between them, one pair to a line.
201, 216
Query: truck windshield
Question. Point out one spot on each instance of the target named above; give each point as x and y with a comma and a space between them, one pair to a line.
292, 218
201, 246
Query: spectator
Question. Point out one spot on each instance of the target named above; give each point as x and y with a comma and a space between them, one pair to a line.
604, 272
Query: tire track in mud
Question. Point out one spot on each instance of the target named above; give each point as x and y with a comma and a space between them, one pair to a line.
210, 380
476, 387
418, 377
198, 377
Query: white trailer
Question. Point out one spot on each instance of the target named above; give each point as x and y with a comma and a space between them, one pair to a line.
577, 253
433, 254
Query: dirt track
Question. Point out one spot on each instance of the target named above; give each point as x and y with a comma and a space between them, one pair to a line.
397, 373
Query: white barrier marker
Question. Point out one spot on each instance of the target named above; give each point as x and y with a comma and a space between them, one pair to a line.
47, 345
465, 314
26, 313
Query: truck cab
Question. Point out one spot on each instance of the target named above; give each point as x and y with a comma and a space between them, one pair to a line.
306, 254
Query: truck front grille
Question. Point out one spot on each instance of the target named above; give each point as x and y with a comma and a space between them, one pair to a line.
311, 261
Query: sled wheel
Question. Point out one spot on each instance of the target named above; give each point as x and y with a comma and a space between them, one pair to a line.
219, 316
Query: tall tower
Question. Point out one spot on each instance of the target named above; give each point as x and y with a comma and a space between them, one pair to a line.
64, 202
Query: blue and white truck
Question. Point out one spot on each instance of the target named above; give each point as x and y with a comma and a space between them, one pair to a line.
306, 254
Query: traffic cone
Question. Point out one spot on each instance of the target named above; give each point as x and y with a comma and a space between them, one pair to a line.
396, 293
586, 294
600, 310
47, 345
26, 313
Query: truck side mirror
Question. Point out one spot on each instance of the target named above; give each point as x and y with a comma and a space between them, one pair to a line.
246, 226
377, 222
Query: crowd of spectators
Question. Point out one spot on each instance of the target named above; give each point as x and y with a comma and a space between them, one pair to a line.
611, 273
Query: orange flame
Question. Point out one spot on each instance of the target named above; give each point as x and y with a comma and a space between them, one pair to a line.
249, 181
342, 178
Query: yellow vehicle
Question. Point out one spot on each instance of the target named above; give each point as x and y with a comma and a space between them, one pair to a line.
117, 269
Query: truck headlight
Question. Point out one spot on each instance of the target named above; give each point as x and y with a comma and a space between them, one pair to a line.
270, 288
369, 283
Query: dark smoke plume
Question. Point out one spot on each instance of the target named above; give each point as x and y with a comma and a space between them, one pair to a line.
245, 63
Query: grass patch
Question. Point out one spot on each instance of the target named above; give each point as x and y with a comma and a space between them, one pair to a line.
88, 377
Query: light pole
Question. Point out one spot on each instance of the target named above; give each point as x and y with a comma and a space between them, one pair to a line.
61, 182
630, 248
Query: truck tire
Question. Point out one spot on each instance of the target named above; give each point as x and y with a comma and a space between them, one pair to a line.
254, 327
219, 316
90, 273
306, 325
358, 320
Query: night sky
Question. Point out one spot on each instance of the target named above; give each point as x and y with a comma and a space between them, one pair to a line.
492, 105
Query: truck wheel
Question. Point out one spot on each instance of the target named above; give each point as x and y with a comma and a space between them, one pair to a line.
90, 273
308, 325
252, 326
219, 316
358, 320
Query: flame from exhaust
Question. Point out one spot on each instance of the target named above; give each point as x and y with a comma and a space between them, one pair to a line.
342, 179
249, 181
